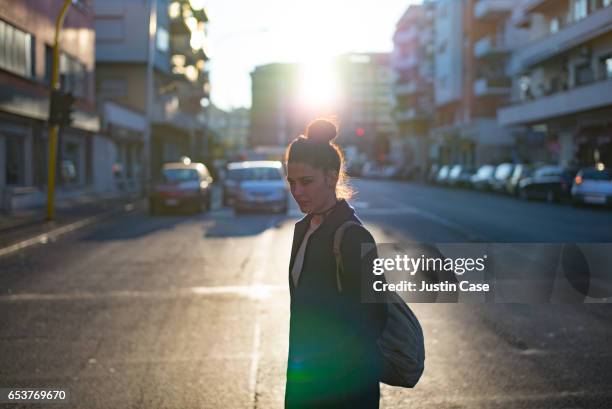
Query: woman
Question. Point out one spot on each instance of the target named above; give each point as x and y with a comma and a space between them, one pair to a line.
333, 357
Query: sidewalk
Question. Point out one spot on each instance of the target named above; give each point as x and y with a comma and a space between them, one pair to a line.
25, 224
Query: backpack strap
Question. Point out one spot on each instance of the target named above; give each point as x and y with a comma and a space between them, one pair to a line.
337, 254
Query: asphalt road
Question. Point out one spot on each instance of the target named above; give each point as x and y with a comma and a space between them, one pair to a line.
191, 311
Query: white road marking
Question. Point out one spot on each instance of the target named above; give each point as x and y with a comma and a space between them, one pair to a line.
256, 292
260, 263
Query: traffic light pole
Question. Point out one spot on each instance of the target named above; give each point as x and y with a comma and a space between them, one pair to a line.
54, 128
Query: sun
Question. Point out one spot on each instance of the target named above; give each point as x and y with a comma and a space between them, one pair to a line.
319, 87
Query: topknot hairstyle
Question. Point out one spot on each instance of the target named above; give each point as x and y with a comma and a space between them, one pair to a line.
318, 149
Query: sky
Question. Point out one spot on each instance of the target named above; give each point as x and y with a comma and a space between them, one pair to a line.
245, 33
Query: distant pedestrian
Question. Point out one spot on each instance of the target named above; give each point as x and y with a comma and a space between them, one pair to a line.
333, 359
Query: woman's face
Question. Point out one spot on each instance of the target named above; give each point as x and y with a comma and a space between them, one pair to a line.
312, 189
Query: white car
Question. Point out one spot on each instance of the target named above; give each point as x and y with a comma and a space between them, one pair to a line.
593, 186
261, 186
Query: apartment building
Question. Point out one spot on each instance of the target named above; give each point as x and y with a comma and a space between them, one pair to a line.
562, 80
276, 116
413, 72
473, 40
366, 104
151, 61
27, 29
231, 129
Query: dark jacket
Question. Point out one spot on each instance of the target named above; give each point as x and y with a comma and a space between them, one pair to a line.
333, 358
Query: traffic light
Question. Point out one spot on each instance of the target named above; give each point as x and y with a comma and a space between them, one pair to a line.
61, 108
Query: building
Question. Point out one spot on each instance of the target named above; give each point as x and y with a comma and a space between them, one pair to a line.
161, 76
27, 29
473, 40
276, 116
231, 129
562, 80
366, 103
412, 63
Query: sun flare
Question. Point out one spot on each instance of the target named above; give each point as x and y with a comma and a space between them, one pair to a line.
319, 85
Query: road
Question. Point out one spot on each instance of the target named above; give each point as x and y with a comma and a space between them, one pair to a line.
191, 311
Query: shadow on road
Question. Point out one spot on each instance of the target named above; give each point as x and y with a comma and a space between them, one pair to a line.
138, 225
244, 225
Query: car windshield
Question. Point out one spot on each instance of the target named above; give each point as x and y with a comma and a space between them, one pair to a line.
485, 170
180, 175
256, 174
503, 171
593, 174
456, 171
548, 171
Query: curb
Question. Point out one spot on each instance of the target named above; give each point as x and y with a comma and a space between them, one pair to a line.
53, 234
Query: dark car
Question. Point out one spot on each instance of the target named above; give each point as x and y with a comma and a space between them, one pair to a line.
460, 175
593, 186
550, 183
502, 174
481, 180
181, 185
520, 172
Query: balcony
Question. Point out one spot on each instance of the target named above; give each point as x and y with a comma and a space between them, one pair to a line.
492, 9
406, 36
585, 98
406, 88
571, 36
406, 62
484, 87
411, 114
537, 6
490, 47
167, 112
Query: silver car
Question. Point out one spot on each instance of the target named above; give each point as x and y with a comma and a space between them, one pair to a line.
593, 186
261, 185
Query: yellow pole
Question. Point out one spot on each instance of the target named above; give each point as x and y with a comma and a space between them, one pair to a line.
59, 22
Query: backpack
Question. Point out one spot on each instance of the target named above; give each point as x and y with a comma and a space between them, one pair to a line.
401, 343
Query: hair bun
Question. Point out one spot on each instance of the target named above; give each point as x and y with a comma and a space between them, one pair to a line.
322, 131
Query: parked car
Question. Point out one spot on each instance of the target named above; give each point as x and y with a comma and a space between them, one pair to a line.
261, 186
481, 180
593, 186
460, 175
521, 171
433, 173
551, 183
182, 184
503, 172
375, 170
442, 177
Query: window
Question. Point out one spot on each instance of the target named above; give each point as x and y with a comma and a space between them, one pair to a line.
15, 155
73, 75
15, 50
607, 66
584, 74
579, 10
48, 63
162, 39
554, 25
